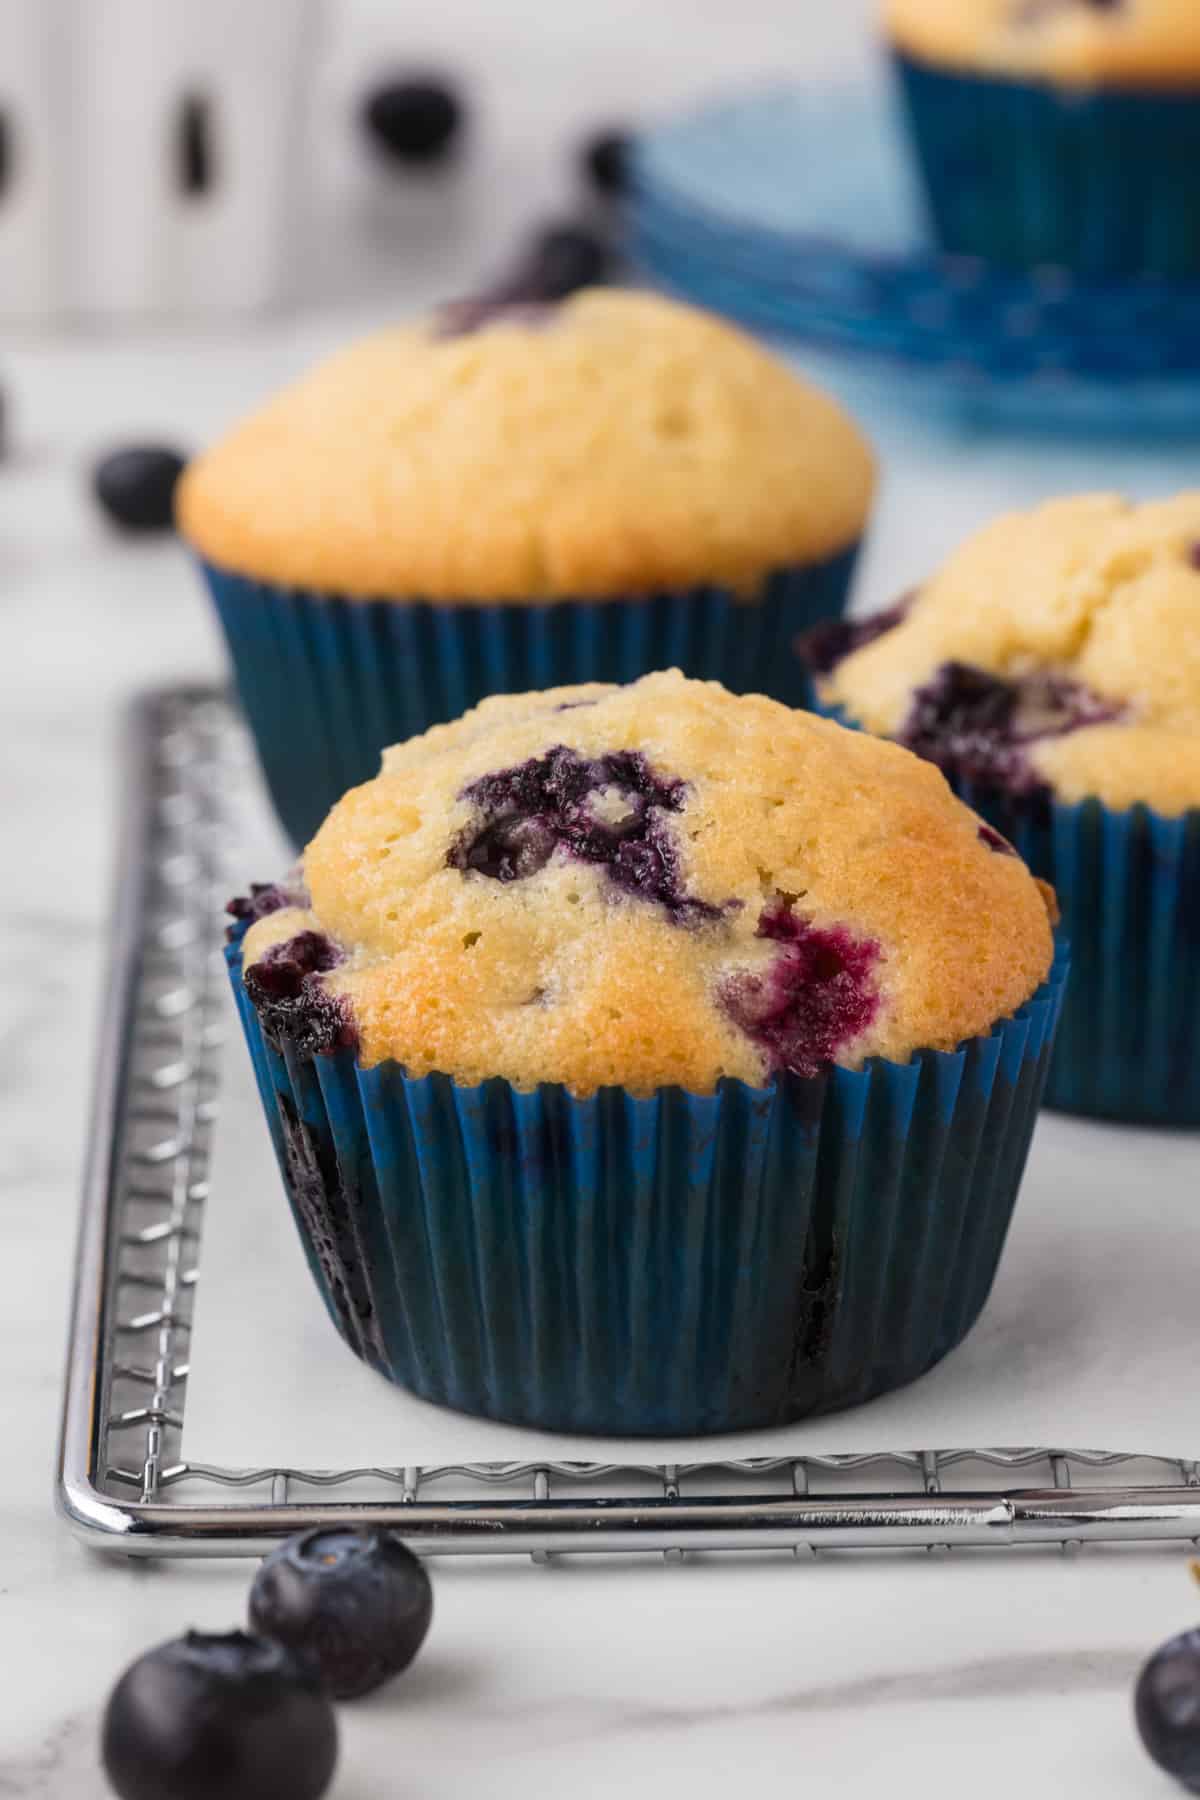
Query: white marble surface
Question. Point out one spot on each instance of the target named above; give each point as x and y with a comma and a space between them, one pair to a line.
977, 1675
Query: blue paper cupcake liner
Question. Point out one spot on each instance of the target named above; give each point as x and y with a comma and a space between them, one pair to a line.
1128, 884
1028, 173
327, 682
672, 1265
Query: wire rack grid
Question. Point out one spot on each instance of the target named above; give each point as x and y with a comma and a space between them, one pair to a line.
123, 1483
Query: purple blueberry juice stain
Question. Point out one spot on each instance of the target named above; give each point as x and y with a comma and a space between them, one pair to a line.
979, 727
327, 1212
1194, 556
995, 842
611, 811
817, 996
826, 645
286, 990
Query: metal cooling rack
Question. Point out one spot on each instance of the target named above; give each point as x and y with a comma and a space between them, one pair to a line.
122, 1482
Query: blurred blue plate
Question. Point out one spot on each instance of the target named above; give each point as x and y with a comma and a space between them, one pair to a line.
797, 211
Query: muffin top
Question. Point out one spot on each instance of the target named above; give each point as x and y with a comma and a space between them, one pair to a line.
609, 444
643, 886
1058, 648
1122, 43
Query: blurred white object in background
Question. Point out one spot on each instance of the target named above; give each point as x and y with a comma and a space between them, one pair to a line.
152, 153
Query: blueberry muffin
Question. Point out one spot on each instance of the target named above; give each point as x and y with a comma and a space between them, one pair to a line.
1057, 131
1052, 671
510, 496
651, 1059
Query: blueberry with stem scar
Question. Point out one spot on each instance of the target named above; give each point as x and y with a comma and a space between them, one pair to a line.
356, 1603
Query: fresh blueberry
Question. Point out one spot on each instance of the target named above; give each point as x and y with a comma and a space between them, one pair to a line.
136, 486
605, 159
356, 1603
1167, 1708
818, 994
219, 1718
414, 120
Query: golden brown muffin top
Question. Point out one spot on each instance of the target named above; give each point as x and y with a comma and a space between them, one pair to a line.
1117, 43
614, 443
1091, 599
659, 884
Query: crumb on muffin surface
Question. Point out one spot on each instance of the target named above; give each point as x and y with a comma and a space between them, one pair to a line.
1120, 43
652, 885
1059, 646
620, 444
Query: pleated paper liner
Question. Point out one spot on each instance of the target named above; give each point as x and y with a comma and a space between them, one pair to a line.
328, 682
1029, 173
1129, 887
678, 1264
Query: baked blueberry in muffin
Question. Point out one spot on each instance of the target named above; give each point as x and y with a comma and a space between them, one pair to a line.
648, 885
1057, 654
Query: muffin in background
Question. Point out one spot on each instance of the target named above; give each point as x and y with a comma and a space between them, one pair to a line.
1061, 132
650, 1059
1052, 671
501, 498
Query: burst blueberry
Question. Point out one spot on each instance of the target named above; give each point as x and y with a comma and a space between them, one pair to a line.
609, 810
816, 997
219, 1718
980, 727
356, 1603
459, 318
826, 645
559, 260
562, 259
264, 898
284, 987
